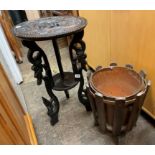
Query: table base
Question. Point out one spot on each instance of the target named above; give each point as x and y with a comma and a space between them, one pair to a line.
42, 72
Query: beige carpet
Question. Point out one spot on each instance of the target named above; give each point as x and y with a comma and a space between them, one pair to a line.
75, 126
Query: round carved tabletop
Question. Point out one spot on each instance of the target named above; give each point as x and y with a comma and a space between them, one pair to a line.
48, 28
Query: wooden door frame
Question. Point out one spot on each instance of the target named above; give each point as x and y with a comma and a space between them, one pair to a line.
13, 113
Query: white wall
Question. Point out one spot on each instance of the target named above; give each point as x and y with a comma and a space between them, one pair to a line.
10, 67
7, 55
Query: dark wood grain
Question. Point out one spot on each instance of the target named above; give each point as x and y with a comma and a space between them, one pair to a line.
50, 27
101, 111
118, 116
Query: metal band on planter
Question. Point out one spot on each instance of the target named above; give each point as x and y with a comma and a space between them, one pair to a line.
116, 95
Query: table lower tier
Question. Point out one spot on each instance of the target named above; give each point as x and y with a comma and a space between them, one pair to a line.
67, 82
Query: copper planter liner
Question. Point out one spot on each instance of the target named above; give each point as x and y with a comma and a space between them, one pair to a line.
116, 95
117, 82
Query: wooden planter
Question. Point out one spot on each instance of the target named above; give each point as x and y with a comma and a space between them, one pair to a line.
116, 95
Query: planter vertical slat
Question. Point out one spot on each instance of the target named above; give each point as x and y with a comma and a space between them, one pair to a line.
118, 116
133, 116
101, 111
141, 101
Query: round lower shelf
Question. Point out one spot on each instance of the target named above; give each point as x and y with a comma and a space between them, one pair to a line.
66, 83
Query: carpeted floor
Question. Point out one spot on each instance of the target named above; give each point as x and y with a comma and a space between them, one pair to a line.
75, 126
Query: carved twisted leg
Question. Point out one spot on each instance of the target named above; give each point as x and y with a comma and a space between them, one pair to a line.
78, 59
42, 71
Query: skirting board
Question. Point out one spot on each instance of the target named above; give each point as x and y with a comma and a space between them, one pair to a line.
150, 114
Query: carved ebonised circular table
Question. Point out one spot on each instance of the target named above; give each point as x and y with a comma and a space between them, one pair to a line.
52, 28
